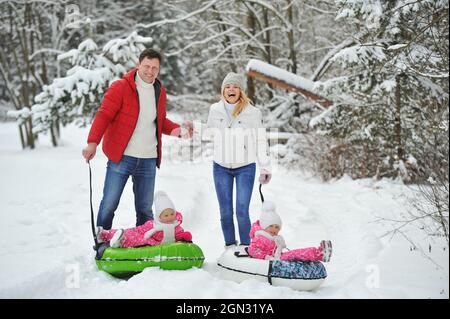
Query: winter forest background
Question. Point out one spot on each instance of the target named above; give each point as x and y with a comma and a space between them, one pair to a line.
383, 64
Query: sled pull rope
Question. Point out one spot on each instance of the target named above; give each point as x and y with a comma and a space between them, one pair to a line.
260, 193
92, 210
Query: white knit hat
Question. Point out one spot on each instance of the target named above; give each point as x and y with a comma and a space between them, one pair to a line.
162, 201
233, 78
268, 215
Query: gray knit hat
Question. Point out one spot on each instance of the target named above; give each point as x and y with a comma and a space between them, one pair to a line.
234, 78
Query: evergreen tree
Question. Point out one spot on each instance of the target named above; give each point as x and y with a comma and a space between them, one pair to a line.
395, 73
77, 96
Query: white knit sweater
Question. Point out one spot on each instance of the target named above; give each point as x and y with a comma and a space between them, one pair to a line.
143, 142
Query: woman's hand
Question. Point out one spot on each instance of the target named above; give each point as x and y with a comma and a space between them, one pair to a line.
89, 151
265, 176
184, 131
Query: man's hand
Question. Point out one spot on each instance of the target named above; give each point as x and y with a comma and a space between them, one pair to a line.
265, 177
187, 129
184, 131
89, 151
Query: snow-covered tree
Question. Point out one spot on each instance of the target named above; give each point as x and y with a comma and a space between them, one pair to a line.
33, 32
394, 73
216, 37
77, 96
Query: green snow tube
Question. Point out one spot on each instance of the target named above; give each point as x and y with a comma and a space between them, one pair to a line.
126, 262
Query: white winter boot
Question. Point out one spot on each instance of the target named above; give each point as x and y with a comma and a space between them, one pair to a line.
116, 240
242, 249
98, 233
327, 250
231, 247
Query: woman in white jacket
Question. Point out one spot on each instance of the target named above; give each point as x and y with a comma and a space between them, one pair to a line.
239, 142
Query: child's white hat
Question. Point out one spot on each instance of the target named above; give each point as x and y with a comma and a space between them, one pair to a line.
268, 215
162, 201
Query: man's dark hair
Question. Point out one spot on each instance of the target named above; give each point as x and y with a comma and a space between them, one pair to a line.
150, 54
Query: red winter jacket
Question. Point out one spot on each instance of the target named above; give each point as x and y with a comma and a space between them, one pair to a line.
118, 115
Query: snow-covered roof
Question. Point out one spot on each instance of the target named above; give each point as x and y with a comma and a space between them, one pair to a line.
285, 80
280, 74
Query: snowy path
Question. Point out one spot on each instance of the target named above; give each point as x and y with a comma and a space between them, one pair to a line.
46, 241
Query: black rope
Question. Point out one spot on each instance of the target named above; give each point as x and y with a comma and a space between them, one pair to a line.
92, 210
260, 193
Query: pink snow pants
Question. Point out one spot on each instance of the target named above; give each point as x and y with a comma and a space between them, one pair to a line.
132, 237
309, 254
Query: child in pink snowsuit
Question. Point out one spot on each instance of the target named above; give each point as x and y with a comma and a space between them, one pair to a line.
165, 229
267, 244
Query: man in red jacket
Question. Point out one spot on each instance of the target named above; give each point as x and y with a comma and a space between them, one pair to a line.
131, 120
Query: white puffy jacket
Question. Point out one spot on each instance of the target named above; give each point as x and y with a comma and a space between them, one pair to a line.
238, 141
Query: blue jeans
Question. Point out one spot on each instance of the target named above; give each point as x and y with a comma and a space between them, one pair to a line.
143, 172
223, 181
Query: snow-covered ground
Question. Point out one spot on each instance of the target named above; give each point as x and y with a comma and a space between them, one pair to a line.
46, 243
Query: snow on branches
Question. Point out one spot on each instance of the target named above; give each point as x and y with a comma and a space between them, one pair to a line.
77, 95
388, 80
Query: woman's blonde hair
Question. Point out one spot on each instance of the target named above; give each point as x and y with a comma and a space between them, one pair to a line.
241, 104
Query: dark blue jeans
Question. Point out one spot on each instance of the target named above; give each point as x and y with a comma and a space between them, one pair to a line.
143, 172
223, 181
